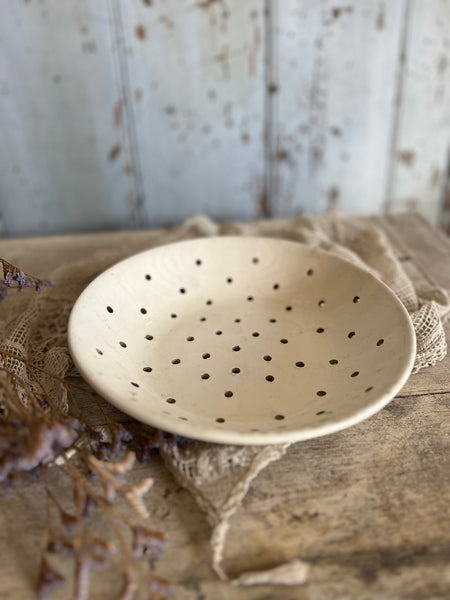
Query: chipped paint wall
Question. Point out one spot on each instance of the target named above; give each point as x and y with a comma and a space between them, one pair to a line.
122, 114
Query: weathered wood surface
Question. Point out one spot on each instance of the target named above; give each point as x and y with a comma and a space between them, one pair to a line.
367, 507
137, 114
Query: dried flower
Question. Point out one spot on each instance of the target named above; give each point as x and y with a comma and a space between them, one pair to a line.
49, 579
135, 497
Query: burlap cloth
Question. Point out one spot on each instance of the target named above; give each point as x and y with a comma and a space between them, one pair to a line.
219, 476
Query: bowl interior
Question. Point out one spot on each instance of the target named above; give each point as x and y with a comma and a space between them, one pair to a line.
242, 340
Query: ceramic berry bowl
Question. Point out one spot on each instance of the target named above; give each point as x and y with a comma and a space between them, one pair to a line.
242, 340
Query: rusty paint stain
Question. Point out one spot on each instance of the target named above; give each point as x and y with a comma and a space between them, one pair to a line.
435, 176
264, 202
442, 64
56, 78
245, 138
167, 21
205, 4
336, 13
381, 20
118, 113
336, 131
89, 46
84, 29
170, 110
141, 32
147, 2
407, 157
272, 88
333, 196
138, 94
252, 56
114, 152
282, 155
128, 169
223, 59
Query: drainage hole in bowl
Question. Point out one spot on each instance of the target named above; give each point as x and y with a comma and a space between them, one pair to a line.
228, 394
272, 320
267, 357
321, 412
110, 309
220, 420
380, 342
351, 334
283, 341
236, 348
123, 344
300, 364
320, 330
148, 277
149, 337
276, 286
206, 355
255, 334
198, 262
99, 351
176, 361
182, 290
134, 384
190, 338
321, 393
333, 361
202, 319
237, 320
255, 260
321, 303
144, 311
356, 299
182, 418
279, 417
147, 369
288, 308
209, 302
218, 332
249, 298
229, 280
205, 376
235, 370
355, 374
369, 389
173, 315
170, 400
270, 378
310, 272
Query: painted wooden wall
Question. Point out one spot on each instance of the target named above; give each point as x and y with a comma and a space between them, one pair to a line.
130, 113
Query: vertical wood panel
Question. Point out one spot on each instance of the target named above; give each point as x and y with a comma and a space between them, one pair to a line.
196, 71
65, 148
333, 103
422, 137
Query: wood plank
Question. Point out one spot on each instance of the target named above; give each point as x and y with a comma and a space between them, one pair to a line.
333, 103
65, 144
421, 142
196, 75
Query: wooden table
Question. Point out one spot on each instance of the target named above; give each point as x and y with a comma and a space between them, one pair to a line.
368, 507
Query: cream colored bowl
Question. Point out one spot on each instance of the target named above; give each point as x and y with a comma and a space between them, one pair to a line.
242, 340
